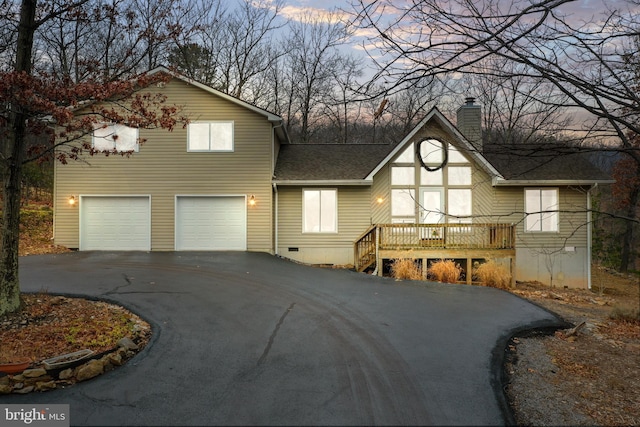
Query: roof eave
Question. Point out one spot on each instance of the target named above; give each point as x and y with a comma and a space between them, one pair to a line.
270, 116
502, 182
317, 182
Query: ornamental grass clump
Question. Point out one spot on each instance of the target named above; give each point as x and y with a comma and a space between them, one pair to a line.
493, 275
445, 271
406, 269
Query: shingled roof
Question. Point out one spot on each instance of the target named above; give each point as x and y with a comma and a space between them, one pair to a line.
322, 162
543, 162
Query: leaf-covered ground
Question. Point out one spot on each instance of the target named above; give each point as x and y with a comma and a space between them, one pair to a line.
49, 326
591, 377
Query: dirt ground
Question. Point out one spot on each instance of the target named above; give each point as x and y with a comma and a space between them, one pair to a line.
586, 375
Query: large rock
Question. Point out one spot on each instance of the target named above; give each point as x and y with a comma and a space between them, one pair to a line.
34, 373
66, 374
45, 385
91, 369
127, 344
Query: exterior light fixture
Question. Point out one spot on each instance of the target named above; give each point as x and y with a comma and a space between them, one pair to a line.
252, 200
72, 201
379, 200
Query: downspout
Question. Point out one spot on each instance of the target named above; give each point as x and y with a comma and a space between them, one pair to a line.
275, 228
589, 233
275, 187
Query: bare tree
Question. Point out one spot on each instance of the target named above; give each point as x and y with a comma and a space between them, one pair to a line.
312, 58
35, 104
586, 61
341, 110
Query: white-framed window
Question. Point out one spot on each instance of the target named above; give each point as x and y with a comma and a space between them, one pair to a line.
403, 175
320, 211
210, 136
431, 177
456, 156
460, 206
407, 156
113, 136
541, 209
403, 202
459, 175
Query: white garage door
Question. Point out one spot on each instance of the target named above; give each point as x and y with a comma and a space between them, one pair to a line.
115, 223
211, 223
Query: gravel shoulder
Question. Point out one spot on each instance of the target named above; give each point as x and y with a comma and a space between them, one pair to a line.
588, 375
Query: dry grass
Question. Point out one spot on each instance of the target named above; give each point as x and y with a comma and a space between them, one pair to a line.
445, 271
406, 269
492, 274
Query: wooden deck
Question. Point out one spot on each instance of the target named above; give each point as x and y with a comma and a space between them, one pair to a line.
466, 243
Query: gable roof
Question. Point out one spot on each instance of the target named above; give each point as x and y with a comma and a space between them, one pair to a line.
357, 164
274, 118
435, 114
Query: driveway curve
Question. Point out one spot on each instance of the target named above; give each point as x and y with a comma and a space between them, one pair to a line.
252, 339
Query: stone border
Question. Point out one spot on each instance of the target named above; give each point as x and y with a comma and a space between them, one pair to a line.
39, 379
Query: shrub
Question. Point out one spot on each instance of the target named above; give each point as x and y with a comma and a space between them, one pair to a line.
445, 271
622, 313
492, 274
406, 269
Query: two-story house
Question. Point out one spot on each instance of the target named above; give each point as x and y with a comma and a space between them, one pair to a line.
232, 180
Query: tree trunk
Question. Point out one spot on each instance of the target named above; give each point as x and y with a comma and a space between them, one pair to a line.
11, 171
13, 153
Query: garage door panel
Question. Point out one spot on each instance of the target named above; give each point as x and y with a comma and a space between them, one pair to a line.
210, 223
115, 223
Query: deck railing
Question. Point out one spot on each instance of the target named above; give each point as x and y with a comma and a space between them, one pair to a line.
431, 236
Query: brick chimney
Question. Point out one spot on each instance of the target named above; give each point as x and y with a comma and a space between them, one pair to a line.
469, 118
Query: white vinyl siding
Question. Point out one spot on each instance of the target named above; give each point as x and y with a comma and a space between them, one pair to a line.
163, 169
320, 211
541, 208
115, 137
210, 136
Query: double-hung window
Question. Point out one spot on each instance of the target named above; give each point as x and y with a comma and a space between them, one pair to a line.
210, 136
320, 211
115, 137
541, 209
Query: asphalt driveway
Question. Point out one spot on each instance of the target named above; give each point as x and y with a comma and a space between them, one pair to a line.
251, 339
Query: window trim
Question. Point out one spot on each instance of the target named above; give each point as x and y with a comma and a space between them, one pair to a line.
210, 150
304, 211
540, 212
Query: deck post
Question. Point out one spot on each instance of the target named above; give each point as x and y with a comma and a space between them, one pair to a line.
379, 264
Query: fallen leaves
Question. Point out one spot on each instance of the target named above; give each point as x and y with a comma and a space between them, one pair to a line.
49, 326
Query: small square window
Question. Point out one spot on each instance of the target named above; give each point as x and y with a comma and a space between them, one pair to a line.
115, 137
210, 136
401, 175
459, 175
